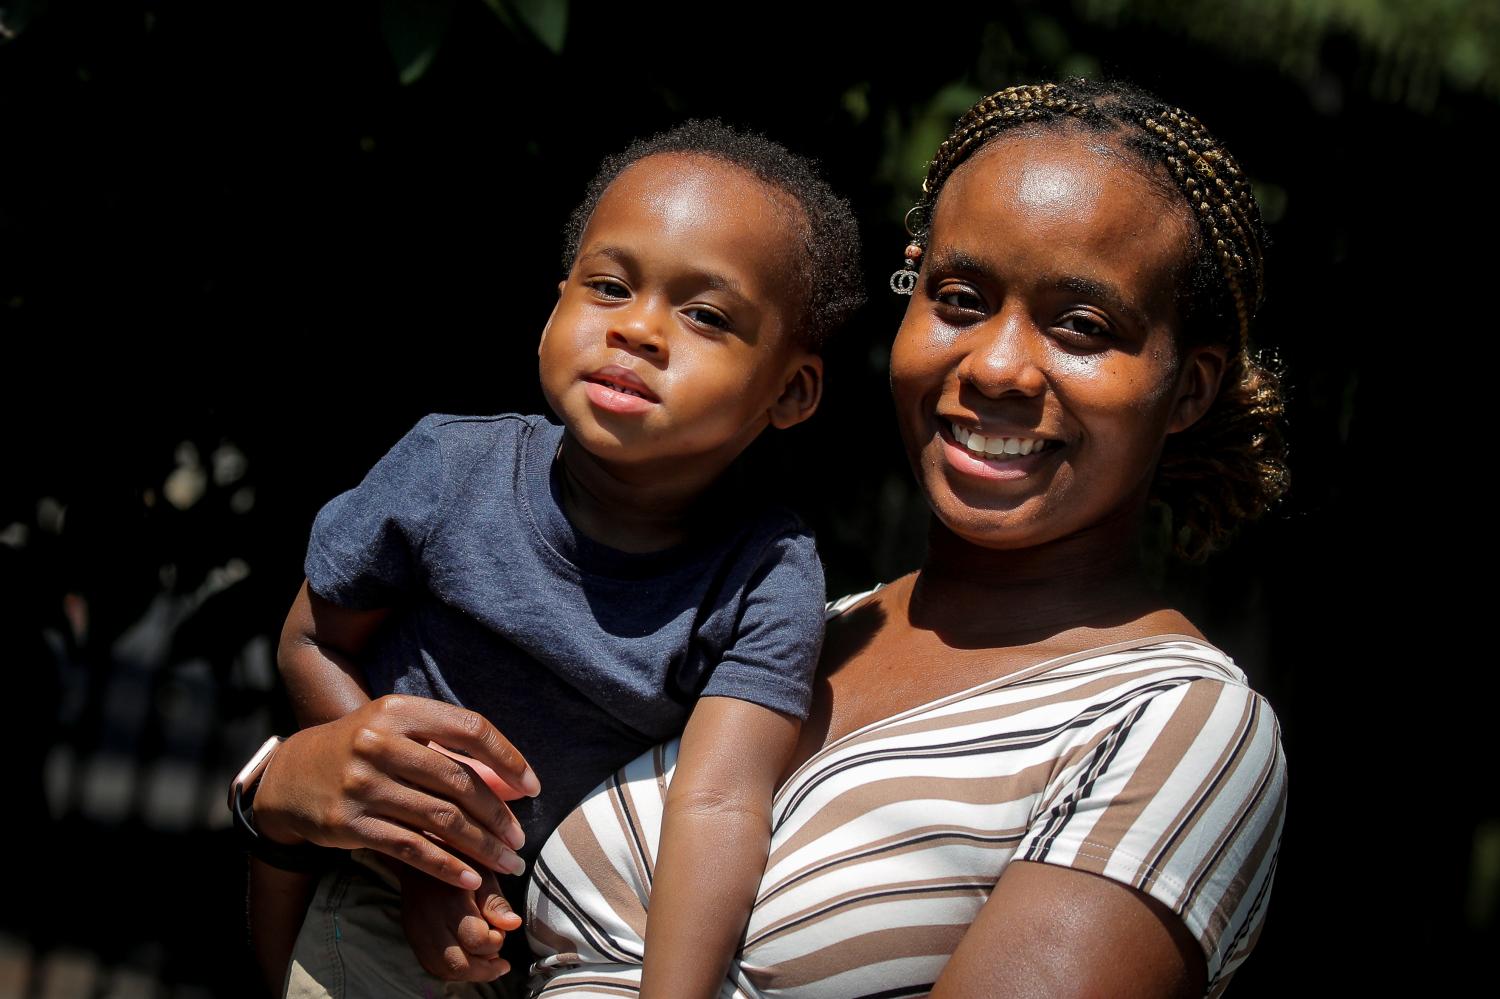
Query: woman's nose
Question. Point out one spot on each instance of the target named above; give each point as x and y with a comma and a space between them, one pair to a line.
638, 331
1005, 356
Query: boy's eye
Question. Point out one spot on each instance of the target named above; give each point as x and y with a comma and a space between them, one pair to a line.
609, 288
704, 316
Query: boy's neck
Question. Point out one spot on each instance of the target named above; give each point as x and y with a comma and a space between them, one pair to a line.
637, 509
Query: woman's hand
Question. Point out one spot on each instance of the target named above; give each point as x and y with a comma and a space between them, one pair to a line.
369, 779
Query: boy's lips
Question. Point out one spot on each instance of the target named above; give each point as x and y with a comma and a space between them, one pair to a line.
619, 390
622, 380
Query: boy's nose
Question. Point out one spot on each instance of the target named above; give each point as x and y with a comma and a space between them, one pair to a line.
639, 334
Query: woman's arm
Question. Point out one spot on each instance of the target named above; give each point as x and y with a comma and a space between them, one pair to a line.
1055, 932
1182, 800
362, 774
362, 762
317, 654
715, 835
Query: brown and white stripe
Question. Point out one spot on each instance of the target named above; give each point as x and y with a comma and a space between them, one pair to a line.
1151, 763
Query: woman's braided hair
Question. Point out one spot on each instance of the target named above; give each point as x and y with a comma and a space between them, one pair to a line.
1230, 466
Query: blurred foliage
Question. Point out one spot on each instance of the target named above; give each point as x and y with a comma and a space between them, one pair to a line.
1406, 48
15, 15
544, 20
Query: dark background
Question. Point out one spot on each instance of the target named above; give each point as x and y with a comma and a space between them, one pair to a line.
244, 247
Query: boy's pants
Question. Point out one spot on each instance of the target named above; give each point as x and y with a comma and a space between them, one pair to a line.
352, 945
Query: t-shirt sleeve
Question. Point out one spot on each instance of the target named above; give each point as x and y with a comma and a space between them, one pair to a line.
775, 650
1182, 799
365, 548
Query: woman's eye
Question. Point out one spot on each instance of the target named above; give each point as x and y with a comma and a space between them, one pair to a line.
959, 298
1084, 326
708, 317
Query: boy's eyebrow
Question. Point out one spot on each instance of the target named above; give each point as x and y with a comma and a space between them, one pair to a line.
623, 257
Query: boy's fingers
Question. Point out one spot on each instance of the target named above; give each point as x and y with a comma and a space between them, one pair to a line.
459, 966
465, 731
478, 938
497, 910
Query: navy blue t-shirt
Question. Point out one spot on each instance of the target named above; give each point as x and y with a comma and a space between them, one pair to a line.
583, 656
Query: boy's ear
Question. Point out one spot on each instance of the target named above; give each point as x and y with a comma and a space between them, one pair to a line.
800, 397
551, 316
1197, 386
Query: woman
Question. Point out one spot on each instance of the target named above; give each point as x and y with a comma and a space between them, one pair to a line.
1023, 773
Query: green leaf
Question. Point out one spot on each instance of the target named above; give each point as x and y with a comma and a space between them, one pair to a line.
546, 20
413, 30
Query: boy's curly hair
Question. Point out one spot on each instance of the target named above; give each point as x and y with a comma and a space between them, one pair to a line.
833, 285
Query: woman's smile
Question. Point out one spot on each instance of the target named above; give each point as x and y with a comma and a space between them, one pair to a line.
1036, 372
995, 455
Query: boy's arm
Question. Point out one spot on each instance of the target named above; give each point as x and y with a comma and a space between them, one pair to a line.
315, 657
319, 643
715, 836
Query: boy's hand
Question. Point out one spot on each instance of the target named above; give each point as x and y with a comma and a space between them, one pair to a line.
455, 933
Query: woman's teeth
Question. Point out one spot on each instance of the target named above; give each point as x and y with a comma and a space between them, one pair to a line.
995, 446
622, 389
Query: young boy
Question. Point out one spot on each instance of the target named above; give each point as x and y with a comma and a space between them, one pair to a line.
593, 587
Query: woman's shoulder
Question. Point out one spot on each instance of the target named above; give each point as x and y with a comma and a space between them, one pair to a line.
835, 608
1164, 638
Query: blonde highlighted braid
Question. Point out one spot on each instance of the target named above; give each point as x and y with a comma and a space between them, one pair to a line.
1230, 466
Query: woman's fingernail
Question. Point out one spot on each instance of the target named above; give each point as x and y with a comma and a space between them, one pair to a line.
530, 784
470, 880
515, 838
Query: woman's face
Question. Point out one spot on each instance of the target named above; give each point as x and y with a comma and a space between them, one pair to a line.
1037, 374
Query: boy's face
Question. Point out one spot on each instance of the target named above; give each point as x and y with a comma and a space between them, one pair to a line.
672, 338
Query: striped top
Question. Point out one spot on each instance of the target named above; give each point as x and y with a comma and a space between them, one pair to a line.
1149, 762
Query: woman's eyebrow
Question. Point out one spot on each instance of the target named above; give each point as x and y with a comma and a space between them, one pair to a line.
1103, 293
959, 262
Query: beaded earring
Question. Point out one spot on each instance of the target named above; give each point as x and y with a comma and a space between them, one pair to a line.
904, 281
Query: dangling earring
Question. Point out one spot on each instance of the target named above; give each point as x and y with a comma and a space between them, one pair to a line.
904, 281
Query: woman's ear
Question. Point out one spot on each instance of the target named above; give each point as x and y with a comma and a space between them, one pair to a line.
1197, 386
551, 316
801, 394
